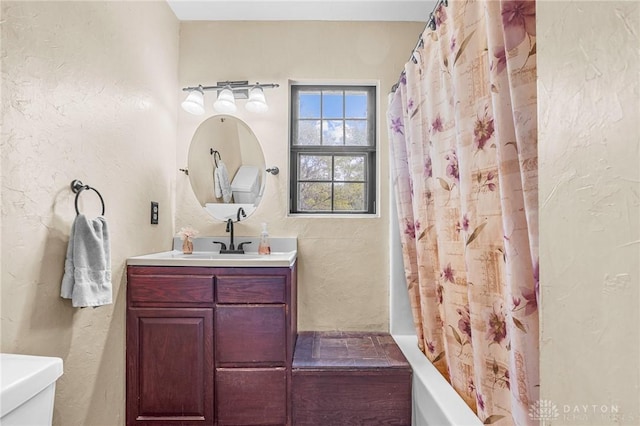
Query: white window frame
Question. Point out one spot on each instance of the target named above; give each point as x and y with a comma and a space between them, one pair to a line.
371, 151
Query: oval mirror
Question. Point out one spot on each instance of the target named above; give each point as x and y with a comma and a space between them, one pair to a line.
226, 167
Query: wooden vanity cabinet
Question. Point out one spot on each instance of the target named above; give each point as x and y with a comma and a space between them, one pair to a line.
210, 346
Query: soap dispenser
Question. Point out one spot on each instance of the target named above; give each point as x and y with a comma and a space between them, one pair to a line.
264, 247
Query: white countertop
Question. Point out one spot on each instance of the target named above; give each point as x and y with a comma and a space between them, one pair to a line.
283, 254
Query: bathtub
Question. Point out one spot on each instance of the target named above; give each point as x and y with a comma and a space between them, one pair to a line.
435, 403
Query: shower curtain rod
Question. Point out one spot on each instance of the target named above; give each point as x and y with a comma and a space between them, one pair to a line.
431, 23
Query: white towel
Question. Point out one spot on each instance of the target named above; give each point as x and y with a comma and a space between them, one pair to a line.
87, 268
221, 182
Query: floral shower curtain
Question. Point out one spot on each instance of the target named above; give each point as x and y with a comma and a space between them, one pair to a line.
463, 135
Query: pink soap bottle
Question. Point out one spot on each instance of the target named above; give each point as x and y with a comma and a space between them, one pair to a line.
264, 247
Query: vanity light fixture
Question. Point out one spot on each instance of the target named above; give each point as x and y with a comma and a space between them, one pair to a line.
228, 92
194, 104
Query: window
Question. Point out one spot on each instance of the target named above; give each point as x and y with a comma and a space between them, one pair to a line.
333, 149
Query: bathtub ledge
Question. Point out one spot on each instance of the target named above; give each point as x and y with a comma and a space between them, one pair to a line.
434, 400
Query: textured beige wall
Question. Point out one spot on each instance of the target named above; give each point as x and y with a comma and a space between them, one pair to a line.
88, 92
343, 262
589, 103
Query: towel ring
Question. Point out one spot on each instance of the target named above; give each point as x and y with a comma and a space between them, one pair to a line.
77, 186
216, 156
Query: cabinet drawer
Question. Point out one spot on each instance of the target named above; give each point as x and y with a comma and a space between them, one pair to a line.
171, 288
250, 289
250, 334
251, 396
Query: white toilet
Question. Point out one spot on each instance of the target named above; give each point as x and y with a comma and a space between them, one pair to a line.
28, 385
245, 185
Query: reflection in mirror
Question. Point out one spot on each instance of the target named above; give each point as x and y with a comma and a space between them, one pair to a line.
226, 167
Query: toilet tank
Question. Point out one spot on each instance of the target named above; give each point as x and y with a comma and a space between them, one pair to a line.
246, 185
28, 386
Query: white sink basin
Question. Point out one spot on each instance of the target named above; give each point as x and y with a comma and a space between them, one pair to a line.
215, 256
208, 258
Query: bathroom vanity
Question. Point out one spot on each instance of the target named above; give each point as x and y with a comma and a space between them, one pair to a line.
210, 345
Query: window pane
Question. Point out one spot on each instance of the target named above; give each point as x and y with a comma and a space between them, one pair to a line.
314, 196
308, 132
333, 149
314, 167
349, 168
348, 197
332, 105
356, 104
332, 132
356, 133
309, 105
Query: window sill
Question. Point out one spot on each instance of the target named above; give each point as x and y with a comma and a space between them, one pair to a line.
334, 216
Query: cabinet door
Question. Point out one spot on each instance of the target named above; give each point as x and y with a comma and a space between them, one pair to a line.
251, 396
170, 366
250, 335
